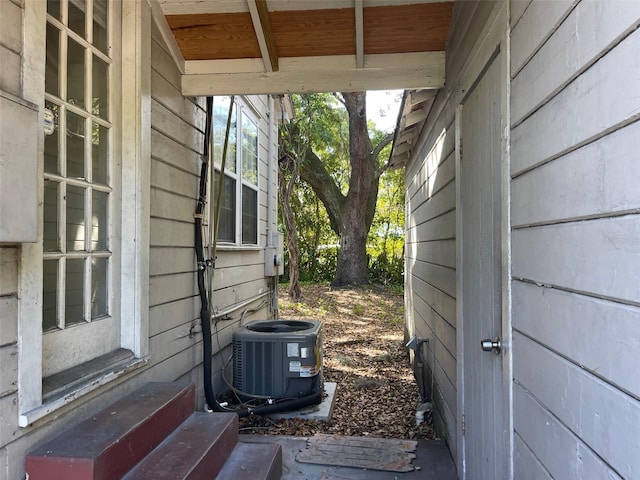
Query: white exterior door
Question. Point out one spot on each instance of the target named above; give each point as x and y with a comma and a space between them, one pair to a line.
484, 425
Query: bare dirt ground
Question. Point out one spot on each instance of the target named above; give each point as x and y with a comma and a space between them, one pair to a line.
364, 354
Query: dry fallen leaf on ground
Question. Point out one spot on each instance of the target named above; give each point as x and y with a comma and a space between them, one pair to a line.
364, 354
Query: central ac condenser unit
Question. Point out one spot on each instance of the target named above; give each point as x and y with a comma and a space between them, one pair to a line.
278, 358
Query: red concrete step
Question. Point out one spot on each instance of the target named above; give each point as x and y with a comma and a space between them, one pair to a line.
108, 444
253, 461
196, 450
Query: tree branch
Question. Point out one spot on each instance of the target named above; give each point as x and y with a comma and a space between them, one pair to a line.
313, 172
383, 143
340, 98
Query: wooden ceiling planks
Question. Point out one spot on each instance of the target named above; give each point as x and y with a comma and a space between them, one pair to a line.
229, 46
314, 33
215, 36
406, 28
397, 28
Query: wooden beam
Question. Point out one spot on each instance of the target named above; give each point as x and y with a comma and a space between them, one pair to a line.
359, 34
420, 96
264, 33
308, 64
404, 147
240, 65
400, 159
194, 7
407, 134
414, 117
424, 70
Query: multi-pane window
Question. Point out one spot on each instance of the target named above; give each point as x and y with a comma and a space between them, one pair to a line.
239, 204
78, 166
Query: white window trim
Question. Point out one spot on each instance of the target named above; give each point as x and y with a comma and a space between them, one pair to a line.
243, 107
135, 146
251, 115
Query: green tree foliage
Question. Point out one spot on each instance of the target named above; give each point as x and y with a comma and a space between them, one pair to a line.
385, 245
320, 130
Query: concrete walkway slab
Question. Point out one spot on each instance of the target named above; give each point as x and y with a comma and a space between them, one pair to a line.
433, 462
321, 412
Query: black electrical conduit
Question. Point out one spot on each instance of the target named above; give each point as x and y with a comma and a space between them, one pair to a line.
203, 265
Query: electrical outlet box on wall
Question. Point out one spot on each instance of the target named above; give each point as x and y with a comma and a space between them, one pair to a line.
273, 259
18, 170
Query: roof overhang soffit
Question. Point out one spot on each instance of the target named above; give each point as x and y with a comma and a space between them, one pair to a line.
414, 110
297, 46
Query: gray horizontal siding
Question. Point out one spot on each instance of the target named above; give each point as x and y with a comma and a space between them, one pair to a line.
576, 240
176, 145
589, 110
578, 42
598, 257
11, 47
600, 336
538, 21
604, 175
527, 466
590, 408
430, 266
563, 454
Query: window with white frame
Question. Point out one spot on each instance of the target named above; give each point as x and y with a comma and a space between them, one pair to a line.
239, 202
79, 314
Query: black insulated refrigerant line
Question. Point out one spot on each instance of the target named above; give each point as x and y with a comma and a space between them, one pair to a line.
204, 264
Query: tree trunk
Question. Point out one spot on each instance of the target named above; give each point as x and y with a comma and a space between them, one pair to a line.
353, 265
359, 207
285, 188
350, 216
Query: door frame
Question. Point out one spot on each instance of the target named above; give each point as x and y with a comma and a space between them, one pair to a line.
495, 36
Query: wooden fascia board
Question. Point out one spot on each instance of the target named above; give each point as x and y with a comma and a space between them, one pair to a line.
423, 70
167, 35
264, 33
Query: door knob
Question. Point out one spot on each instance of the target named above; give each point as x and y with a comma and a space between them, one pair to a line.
489, 345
